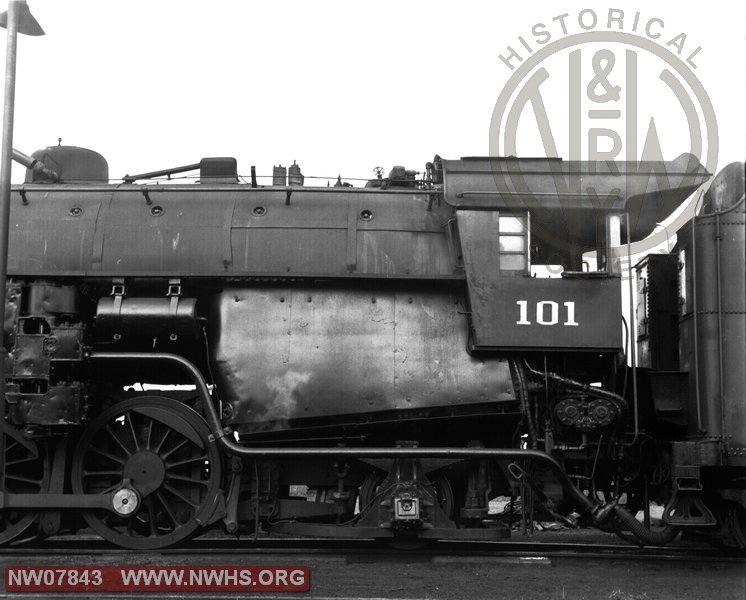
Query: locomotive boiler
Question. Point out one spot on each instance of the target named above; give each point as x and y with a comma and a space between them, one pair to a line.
374, 362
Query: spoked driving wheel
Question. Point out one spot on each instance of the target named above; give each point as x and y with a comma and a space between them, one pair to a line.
26, 472
160, 448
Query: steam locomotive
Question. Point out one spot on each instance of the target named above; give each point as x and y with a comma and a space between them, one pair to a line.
379, 361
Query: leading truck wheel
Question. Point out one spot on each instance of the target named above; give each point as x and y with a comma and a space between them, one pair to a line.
26, 472
161, 449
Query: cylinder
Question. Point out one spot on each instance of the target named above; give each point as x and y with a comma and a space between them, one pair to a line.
147, 316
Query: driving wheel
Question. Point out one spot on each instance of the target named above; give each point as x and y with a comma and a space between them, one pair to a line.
156, 457
26, 472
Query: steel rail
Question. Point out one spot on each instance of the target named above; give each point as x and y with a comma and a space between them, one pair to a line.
324, 547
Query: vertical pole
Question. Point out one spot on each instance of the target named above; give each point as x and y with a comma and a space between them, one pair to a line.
5, 168
632, 331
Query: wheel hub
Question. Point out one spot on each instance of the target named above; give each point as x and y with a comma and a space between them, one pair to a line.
146, 471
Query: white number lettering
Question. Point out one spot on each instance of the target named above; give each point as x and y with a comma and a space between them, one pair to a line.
523, 306
541, 311
570, 322
554, 312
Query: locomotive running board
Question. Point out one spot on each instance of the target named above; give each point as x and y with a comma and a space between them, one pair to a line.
487, 534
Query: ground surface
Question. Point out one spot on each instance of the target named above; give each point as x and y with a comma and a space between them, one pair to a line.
452, 574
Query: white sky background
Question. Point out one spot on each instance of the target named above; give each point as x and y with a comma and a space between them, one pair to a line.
341, 87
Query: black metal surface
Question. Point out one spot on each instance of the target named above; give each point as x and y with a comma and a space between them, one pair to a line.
657, 312
713, 323
172, 230
527, 313
147, 316
320, 351
224, 437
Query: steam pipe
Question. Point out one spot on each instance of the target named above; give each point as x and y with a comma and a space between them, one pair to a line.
161, 173
652, 538
35, 165
516, 368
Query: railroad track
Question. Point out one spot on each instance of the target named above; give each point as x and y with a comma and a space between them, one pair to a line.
363, 570
370, 551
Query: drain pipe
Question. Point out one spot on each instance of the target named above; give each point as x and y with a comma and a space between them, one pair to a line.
652, 538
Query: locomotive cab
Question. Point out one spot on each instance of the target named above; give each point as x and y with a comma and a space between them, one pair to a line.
517, 217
